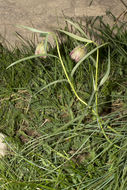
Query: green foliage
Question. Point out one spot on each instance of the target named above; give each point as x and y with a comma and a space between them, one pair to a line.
54, 140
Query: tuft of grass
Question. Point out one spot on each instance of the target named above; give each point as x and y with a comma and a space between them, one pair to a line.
55, 140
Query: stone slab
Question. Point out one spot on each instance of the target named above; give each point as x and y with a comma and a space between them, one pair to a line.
47, 15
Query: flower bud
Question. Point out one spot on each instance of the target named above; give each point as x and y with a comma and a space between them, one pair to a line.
3, 147
78, 53
40, 49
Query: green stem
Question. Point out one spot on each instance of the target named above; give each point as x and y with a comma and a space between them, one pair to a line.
73, 89
96, 81
96, 78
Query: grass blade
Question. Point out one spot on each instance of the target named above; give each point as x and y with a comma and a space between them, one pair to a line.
103, 80
30, 57
75, 36
33, 29
77, 27
85, 57
52, 83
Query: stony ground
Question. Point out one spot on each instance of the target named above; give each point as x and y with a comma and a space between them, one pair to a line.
46, 14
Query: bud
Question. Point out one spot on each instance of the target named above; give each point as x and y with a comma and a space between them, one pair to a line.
3, 147
78, 53
40, 49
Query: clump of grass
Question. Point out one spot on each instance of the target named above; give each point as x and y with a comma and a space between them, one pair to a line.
56, 141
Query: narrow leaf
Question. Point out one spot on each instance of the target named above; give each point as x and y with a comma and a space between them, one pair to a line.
32, 29
46, 41
30, 57
103, 80
94, 86
85, 57
77, 27
75, 36
50, 84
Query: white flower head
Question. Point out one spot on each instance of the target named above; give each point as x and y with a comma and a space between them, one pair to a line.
40, 49
3, 146
78, 53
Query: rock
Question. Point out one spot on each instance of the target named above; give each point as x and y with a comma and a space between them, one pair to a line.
47, 15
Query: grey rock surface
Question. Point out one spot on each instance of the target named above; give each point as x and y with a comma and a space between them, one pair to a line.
48, 14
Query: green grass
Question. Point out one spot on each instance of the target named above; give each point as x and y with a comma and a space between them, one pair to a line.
56, 142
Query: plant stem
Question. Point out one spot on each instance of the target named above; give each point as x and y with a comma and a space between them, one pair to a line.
73, 89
